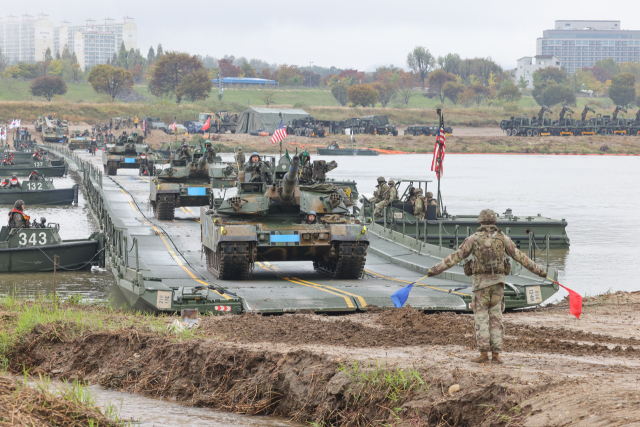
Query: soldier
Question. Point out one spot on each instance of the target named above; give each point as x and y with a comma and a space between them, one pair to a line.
4, 183
240, 159
378, 194
93, 146
14, 182
432, 202
488, 266
320, 169
390, 196
34, 176
311, 218
419, 205
209, 152
135, 122
258, 169
17, 218
185, 153
111, 124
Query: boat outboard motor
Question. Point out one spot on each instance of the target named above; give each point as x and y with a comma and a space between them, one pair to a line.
290, 180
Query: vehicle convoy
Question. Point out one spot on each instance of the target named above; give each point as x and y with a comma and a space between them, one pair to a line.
129, 152
40, 192
266, 222
33, 249
184, 183
378, 125
308, 127
442, 228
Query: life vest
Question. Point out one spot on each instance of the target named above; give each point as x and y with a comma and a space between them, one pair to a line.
33, 175
14, 182
24, 217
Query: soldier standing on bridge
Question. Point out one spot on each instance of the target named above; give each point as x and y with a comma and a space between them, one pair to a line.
390, 196
240, 159
93, 146
488, 246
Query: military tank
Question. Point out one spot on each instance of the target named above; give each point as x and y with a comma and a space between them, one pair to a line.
262, 222
125, 154
185, 182
79, 140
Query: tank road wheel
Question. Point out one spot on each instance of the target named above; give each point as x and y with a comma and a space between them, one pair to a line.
232, 261
348, 264
112, 168
165, 207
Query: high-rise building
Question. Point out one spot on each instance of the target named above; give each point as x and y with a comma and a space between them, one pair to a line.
25, 39
580, 44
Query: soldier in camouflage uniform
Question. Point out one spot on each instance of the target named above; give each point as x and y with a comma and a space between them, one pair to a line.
378, 195
240, 159
209, 152
432, 202
488, 247
419, 204
390, 196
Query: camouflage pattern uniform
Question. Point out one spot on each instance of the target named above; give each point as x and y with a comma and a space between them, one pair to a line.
210, 153
320, 169
240, 159
432, 202
378, 195
419, 205
488, 247
259, 170
185, 153
389, 197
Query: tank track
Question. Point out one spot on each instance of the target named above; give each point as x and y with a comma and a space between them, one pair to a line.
165, 207
232, 261
349, 263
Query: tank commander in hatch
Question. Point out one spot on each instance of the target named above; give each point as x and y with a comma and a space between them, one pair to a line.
311, 218
489, 264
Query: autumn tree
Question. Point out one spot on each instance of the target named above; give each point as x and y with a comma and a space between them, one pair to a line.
266, 74
406, 86
363, 95
227, 69
452, 90
110, 80
195, 86
421, 61
387, 90
509, 92
170, 70
622, 90
437, 80
248, 70
48, 87
340, 91
287, 75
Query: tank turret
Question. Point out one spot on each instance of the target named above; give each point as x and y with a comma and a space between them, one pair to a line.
290, 181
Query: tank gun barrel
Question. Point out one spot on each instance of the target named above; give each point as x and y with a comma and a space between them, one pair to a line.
202, 164
290, 180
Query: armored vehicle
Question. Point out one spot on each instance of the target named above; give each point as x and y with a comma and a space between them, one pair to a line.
450, 230
33, 249
306, 126
40, 123
512, 126
378, 125
41, 192
262, 222
126, 153
79, 140
53, 133
419, 130
184, 183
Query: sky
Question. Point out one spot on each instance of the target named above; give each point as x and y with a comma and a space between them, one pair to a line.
345, 34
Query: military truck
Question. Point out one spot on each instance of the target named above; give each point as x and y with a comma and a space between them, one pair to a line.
125, 154
306, 126
378, 125
184, 183
262, 222
220, 122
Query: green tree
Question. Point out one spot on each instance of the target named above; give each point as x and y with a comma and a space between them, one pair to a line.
609, 65
151, 55
449, 63
340, 92
169, 71
452, 90
159, 51
622, 90
110, 80
555, 93
553, 79
421, 61
268, 97
195, 86
56, 67
437, 80
248, 70
363, 95
509, 92
631, 67
522, 83
48, 87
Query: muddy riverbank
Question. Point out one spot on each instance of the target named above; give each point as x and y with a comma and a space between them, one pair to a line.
394, 367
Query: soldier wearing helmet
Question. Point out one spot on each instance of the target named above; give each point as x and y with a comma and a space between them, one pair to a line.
311, 218
390, 196
488, 265
419, 204
34, 176
17, 218
209, 152
14, 182
431, 202
240, 159
258, 169
378, 195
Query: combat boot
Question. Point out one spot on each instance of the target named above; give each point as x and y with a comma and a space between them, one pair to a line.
495, 359
484, 358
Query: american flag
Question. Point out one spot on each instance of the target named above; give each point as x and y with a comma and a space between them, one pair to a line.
174, 126
279, 134
438, 153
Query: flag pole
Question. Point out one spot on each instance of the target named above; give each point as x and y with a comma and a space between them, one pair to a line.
439, 159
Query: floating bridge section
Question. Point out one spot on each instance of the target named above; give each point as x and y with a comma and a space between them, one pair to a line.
159, 267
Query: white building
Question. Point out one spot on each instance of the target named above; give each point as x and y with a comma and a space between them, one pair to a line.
26, 39
93, 47
528, 65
